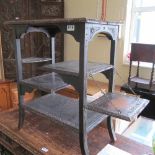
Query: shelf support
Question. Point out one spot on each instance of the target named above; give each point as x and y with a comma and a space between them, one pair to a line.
107, 73
53, 49
71, 80
112, 62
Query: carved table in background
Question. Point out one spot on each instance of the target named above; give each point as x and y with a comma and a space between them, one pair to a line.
78, 115
149, 111
5, 95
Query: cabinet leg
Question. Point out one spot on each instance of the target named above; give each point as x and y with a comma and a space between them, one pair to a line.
83, 144
21, 118
111, 129
83, 132
21, 113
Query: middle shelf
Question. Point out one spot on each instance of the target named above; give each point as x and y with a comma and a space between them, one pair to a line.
35, 60
47, 82
72, 67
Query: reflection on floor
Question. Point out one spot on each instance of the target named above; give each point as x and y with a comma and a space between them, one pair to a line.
142, 130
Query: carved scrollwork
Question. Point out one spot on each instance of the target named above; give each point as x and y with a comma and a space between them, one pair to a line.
93, 29
113, 32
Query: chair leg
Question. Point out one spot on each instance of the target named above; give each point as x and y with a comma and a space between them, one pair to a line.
130, 72
83, 144
151, 79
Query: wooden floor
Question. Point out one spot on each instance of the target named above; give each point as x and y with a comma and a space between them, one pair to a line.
93, 88
39, 132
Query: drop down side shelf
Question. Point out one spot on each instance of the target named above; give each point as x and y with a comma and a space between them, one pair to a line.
120, 106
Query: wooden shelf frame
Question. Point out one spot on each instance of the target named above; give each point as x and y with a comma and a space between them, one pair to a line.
83, 30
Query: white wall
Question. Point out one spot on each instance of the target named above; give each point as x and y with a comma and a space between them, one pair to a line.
99, 48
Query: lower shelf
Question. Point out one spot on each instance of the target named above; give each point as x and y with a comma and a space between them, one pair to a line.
47, 82
64, 110
120, 106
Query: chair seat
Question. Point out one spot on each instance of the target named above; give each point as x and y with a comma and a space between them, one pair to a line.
140, 80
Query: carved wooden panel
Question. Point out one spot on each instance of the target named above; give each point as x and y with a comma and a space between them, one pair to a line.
33, 44
53, 9
10, 9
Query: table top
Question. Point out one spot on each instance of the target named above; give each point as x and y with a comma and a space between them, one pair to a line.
58, 21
